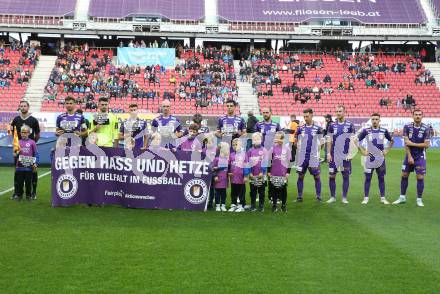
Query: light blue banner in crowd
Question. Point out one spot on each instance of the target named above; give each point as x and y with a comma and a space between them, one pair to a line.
146, 56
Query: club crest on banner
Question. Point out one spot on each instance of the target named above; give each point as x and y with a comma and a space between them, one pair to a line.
196, 191
67, 186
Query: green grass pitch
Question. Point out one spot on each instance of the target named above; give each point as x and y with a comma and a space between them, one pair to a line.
313, 248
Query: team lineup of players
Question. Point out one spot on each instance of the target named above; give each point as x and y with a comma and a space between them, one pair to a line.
268, 162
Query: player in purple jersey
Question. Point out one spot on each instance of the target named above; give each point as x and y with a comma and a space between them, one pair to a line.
238, 176
70, 125
279, 171
339, 137
257, 170
267, 128
134, 129
220, 166
416, 136
167, 125
230, 126
376, 152
309, 139
26, 164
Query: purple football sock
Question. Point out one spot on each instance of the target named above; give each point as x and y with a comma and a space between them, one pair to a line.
381, 179
367, 184
318, 187
332, 185
300, 186
403, 185
345, 185
420, 187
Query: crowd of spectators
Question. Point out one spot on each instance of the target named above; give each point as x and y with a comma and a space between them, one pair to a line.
19, 72
424, 77
366, 67
88, 74
373, 69
143, 44
80, 71
210, 82
266, 67
207, 76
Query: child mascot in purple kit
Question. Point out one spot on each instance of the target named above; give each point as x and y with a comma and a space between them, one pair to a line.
257, 170
238, 176
27, 159
190, 142
220, 167
279, 171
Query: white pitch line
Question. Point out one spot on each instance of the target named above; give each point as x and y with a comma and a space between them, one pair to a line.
12, 189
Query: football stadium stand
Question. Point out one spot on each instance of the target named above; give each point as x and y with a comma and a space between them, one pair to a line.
285, 82
396, 84
200, 82
300, 17
16, 68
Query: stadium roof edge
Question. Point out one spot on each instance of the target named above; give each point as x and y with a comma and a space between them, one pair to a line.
231, 35
159, 15
70, 13
320, 19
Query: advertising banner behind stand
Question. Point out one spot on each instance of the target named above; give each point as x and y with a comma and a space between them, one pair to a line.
365, 11
158, 179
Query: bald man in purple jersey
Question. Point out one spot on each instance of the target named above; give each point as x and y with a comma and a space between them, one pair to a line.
339, 137
168, 126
